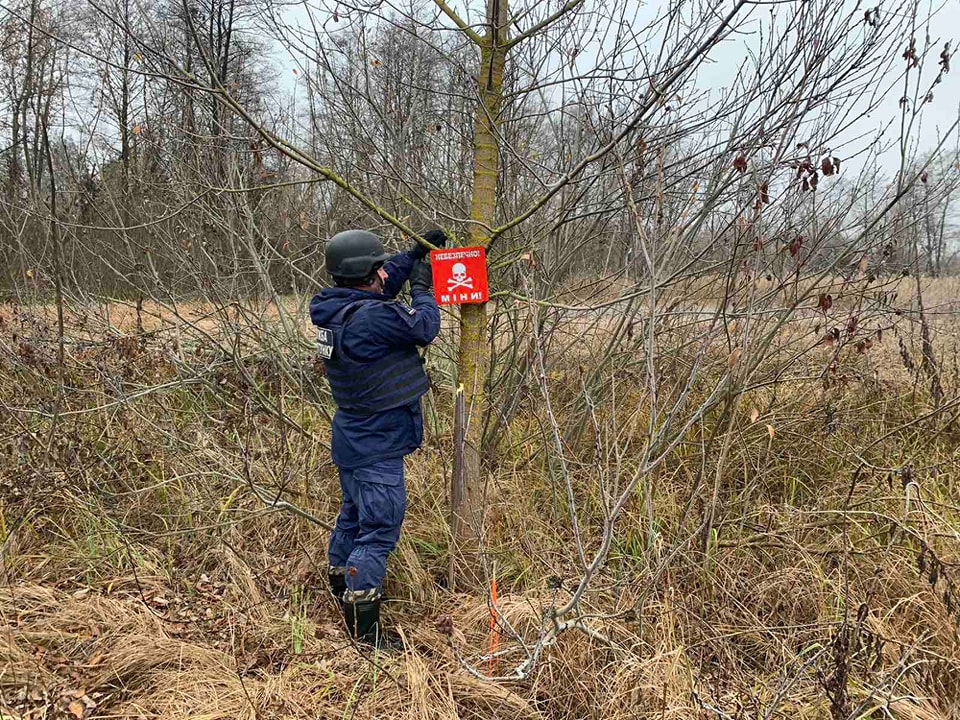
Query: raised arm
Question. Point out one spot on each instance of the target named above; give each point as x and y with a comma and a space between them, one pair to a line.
399, 325
400, 266
398, 271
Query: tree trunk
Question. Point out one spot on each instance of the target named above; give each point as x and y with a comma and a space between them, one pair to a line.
473, 359
29, 89
125, 112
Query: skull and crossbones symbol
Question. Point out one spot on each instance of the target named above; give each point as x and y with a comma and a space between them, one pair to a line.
460, 278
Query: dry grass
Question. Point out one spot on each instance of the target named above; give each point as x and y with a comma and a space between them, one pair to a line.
143, 579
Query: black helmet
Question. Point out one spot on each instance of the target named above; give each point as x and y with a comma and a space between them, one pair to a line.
353, 254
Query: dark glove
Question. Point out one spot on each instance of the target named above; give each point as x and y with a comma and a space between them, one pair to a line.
421, 277
434, 237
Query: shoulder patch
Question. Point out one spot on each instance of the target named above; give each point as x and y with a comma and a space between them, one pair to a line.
407, 314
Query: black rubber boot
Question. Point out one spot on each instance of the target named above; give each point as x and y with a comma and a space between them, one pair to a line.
338, 584
363, 624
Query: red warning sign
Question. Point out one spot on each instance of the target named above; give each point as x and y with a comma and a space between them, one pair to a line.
459, 275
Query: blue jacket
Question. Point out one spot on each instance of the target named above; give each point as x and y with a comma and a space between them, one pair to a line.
373, 331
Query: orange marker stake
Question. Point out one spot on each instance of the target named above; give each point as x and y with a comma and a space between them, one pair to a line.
494, 665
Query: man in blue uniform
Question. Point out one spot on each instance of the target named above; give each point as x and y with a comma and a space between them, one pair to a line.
369, 343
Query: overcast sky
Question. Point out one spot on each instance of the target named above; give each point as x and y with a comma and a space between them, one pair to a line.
724, 59
938, 115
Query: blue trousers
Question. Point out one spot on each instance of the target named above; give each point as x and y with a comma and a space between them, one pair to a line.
374, 501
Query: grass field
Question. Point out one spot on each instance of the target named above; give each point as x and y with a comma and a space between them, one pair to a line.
144, 579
